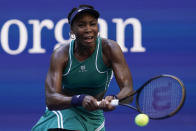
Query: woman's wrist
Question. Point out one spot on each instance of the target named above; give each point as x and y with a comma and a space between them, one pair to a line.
77, 100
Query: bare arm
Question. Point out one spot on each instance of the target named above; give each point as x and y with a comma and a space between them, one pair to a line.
120, 69
55, 100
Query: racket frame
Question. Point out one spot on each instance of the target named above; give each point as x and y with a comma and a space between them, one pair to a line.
143, 86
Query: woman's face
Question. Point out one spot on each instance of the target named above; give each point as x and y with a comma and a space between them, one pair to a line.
85, 28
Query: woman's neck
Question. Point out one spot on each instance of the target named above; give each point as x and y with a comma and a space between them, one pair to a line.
84, 50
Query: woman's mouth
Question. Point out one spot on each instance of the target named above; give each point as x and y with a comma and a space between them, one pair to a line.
89, 39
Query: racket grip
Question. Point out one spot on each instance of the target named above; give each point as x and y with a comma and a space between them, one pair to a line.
113, 102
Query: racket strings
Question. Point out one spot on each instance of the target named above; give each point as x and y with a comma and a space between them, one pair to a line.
160, 97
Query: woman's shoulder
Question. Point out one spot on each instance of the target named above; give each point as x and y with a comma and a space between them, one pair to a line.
109, 45
61, 52
108, 42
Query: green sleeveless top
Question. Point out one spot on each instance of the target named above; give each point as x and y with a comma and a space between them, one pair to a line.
90, 76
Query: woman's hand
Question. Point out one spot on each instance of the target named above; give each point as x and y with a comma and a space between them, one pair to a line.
90, 103
105, 104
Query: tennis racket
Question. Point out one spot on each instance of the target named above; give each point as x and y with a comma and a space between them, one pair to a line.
160, 97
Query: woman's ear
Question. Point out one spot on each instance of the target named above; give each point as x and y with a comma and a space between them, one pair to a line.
71, 31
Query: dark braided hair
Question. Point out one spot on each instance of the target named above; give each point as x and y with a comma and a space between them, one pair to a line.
74, 9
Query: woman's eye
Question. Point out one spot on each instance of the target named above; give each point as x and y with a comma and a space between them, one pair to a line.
93, 24
80, 25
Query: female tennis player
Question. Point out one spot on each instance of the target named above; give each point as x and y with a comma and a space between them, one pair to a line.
79, 75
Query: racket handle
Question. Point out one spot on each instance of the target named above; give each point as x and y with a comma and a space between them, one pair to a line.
113, 102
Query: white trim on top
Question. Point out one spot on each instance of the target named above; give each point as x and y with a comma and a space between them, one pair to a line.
96, 58
70, 48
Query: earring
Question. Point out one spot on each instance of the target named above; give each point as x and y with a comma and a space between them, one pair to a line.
72, 36
98, 34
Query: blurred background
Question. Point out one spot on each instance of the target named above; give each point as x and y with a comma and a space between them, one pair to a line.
157, 37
